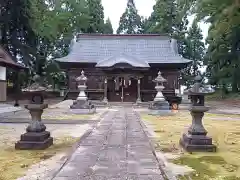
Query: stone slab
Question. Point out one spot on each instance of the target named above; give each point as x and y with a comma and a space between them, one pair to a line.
197, 143
115, 149
82, 111
34, 145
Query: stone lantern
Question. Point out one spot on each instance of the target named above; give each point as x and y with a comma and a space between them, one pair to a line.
81, 105
36, 136
159, 105
196, 139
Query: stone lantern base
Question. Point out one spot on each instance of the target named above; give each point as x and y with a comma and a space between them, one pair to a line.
34, 140
196, 139
82, 107
36, 137
197, 143
160, 108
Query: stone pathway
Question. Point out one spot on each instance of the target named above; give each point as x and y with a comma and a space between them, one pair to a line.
6, 108
117, 149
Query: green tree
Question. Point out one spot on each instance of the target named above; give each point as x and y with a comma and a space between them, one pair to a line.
195, 51
36, 31
163, 17
108, 29
130, 21
222, 59
96, 15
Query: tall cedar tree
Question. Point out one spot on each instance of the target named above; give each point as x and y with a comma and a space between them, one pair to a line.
96, 14
163, 17
223, 58
130, 21
108, 29
195, 51
35, 31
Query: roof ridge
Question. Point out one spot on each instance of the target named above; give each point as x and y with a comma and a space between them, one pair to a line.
120, 35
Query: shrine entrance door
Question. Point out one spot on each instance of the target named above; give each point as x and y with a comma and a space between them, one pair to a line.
123, 89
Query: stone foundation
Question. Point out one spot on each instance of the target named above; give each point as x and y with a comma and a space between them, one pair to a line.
160, 108
197, 143
35, 141
83, 111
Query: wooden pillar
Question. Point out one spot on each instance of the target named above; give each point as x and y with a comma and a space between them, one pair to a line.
105, 91
17, 89
139, 91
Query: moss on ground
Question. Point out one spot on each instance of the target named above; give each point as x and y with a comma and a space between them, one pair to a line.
224, 164
14, 163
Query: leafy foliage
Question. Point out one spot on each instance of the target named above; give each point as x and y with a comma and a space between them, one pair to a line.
194, 50
130, 21
223, 58
108, 29
96, 14
37, 31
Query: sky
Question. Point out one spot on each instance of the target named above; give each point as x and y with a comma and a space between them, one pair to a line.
115, 8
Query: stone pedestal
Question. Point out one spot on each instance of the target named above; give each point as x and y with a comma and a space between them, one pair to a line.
160, 108
36, 136
82, 107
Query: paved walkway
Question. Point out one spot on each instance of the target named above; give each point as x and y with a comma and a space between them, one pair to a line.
117, 149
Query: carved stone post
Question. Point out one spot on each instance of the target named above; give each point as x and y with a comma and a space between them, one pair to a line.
139, 91
105, 100
196, 139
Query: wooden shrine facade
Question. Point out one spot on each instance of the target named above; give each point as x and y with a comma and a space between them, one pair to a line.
121, 73
6, 62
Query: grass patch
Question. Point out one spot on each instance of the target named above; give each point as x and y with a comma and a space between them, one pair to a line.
225, 163
14, 163
219, 96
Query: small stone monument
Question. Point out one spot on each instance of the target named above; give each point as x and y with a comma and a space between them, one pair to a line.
196, 139
81, 105
159, 106
36, 136
186, 102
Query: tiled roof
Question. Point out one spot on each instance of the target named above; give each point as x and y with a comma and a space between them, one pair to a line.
144, 49
7, 61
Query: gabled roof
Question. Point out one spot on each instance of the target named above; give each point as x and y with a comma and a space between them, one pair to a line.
7, 61
138, 50
122, 58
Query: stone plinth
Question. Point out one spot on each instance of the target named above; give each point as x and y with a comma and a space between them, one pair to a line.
36, 136
82, 107
83, 111
35, 141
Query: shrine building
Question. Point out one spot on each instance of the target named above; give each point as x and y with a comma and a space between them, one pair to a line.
123, 67
6, 62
